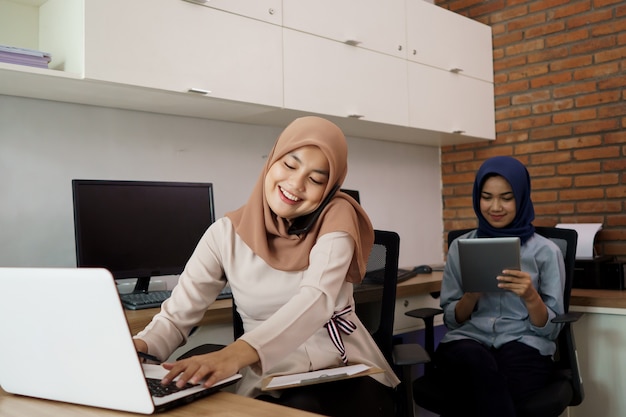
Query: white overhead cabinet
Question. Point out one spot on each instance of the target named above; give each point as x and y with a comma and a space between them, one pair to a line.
181, 46
370, 24
399, 70
329, 77
443, 101
450, 72
267, 10
449, 41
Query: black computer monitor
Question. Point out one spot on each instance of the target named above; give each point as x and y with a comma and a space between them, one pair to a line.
139, 229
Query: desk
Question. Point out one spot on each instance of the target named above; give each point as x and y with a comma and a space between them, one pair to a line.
598, 298
220, 311
600, 339
220, 404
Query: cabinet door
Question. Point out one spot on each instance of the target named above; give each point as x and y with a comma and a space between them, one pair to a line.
449, 41
329, 77
178, 46
266, 10
405, 324
372, 24
450, 103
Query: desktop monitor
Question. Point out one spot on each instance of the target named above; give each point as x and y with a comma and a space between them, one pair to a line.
139, 229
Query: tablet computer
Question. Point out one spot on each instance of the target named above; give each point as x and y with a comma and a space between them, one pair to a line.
483, 259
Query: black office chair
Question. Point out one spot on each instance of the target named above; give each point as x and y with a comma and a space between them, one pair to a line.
378, 315
565, 389
211, 347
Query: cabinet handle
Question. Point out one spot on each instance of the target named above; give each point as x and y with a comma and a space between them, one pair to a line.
456, 70
199, 91
352, 42
271, 11
458, 132
355, 116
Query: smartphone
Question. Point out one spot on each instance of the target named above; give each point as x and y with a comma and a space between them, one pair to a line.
304, 223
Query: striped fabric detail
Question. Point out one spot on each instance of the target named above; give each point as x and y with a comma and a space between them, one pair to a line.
335, 326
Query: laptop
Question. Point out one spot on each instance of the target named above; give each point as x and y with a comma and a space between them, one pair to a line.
483, 259
65, 337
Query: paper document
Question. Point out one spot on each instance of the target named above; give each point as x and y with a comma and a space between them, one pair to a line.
586, 236
316, 377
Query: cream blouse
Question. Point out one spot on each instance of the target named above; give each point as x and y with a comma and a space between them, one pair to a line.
283, 313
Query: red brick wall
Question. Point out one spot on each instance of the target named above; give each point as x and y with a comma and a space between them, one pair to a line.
560, 99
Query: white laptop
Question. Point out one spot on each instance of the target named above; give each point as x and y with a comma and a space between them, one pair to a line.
65, 337
483, 259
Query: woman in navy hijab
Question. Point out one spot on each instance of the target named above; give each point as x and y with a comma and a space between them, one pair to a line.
499, 345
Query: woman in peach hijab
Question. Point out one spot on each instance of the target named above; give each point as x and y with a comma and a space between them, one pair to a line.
291, 255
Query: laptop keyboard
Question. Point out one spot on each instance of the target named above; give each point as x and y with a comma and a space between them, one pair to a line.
159, 390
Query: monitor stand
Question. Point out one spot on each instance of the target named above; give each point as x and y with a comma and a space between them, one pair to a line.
142, 284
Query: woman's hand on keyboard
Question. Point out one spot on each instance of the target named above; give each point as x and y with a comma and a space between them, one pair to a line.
211, 367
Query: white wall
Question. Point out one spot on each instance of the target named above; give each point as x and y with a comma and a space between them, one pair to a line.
44, 145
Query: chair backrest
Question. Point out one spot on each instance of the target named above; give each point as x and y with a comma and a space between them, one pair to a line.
566, 240
378, 316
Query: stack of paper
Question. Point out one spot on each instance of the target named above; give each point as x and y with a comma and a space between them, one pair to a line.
586, 237
23, 56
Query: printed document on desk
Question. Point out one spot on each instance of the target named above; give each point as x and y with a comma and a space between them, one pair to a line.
586, 237
317, 377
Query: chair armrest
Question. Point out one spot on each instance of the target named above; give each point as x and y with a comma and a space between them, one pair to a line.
424, 313
404, 356
409, 354
200, 350
568, 317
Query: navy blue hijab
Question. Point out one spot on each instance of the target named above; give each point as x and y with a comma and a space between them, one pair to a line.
517, 176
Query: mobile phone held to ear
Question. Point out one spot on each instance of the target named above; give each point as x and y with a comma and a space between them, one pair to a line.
304, 223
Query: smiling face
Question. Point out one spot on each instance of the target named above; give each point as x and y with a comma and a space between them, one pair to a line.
497, 202
294, 185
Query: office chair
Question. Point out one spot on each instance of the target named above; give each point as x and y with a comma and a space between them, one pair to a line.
565, 389
378, 316
384, 256
211, 347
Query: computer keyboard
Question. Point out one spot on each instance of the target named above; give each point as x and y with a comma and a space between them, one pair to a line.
225, 293
152, 299
141, 300
377, 277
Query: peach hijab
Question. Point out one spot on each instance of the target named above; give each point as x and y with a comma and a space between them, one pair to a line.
267, 234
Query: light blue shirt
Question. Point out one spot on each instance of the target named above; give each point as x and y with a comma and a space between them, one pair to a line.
502, 317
